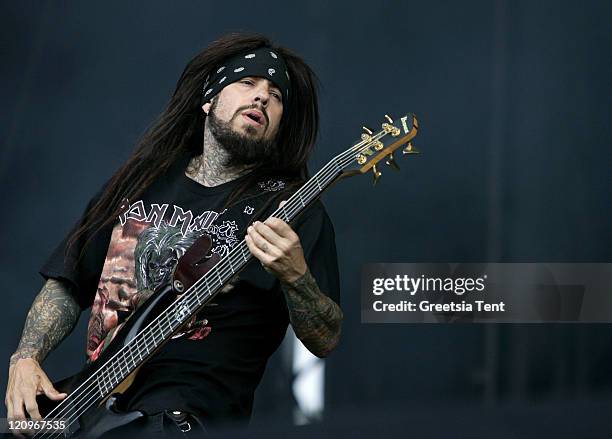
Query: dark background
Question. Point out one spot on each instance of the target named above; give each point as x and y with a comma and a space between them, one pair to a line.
513, 99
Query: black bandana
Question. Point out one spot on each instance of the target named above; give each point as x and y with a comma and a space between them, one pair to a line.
262, 62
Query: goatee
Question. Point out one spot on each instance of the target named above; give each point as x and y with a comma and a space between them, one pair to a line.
242, 149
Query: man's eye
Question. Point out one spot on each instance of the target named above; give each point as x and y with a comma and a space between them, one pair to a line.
277, 96
247, 81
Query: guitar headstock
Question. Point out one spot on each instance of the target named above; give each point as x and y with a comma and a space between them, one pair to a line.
372, 148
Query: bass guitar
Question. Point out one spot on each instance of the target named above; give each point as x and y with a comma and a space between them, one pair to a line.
89, 410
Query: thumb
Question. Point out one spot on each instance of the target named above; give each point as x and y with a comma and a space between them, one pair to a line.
282, 203
50, 391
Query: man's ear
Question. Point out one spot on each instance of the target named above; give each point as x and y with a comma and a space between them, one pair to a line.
206, 107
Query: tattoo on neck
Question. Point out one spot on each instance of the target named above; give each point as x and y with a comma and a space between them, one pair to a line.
209, 169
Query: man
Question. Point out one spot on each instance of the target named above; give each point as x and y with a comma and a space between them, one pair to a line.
233, 141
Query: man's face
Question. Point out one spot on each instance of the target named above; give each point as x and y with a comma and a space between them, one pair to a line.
244, 118
252, 107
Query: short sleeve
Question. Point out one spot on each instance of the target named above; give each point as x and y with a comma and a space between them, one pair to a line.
317, 237
81, 269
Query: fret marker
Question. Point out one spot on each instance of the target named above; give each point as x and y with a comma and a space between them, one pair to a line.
182, 312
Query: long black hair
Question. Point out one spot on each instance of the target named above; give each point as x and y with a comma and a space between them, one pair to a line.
179, 130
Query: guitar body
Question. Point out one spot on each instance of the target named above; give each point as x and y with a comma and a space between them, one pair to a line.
105, 416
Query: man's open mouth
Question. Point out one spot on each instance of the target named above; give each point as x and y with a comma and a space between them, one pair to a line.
255, 116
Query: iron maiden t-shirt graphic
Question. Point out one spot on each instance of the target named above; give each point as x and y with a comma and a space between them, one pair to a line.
145, 246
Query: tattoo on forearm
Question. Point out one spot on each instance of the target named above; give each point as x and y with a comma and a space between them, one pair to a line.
316, 319
51, 318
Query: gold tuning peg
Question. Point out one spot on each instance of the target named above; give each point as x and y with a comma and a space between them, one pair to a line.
376, 173
389, 119
366, 136
391, 162
409, 149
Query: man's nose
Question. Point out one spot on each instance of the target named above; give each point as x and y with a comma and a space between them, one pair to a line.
262, 95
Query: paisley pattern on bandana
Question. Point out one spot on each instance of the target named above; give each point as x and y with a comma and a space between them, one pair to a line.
260, 63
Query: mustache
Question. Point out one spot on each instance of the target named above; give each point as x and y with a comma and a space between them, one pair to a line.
253, 107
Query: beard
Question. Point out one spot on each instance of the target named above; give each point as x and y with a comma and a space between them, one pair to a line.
241, 149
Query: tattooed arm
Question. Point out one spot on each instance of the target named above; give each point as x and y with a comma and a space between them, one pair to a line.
51, 318
316, 319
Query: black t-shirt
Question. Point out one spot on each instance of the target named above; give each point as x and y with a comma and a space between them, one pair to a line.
214, 366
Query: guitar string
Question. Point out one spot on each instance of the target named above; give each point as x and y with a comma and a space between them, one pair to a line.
194, 292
